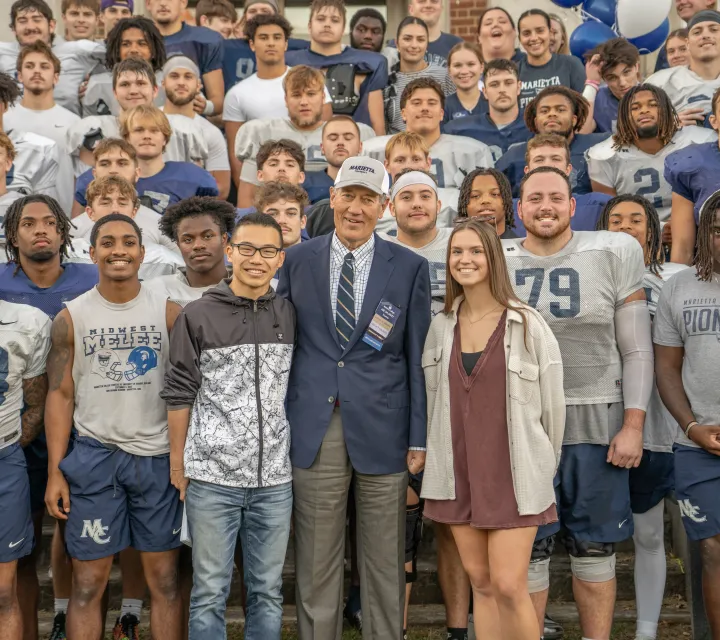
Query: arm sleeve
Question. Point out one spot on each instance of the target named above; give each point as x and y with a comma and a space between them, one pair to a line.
665, 330
634, 341
630, 269
183, 377
418, 324
41, 347
217, 159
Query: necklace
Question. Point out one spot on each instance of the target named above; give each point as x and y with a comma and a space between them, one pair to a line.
467, 315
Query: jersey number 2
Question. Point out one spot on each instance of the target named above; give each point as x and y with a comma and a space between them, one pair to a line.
563, 283
648, 190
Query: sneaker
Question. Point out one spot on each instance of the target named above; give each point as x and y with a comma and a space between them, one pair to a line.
553, 630
58, 629
354, 618
126, 628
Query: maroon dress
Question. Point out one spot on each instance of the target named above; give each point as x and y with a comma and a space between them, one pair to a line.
484, 494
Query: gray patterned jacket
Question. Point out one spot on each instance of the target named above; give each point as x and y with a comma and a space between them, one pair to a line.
230, 361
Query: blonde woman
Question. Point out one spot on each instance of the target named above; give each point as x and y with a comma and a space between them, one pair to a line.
559, 42
496, 421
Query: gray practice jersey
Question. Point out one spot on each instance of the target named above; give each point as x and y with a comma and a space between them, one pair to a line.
186, 144
77, 59
436, 254
577, 290
121, 354
448, 212
451, 157
24, 347
176, 288
688, 316
255, 132
99, 99
660, 426
685, 88
630, 170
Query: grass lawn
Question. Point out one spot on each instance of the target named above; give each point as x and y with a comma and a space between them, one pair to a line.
622, 631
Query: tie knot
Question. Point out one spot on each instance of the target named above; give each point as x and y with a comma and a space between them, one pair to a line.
349, 259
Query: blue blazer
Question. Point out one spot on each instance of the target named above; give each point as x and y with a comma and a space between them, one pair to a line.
381, 393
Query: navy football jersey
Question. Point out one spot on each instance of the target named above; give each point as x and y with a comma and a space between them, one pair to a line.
239, 61
606, 111
512, 163
317, 184
202, 45
175, 182
373, 65
482, 128
588, 207
693, 173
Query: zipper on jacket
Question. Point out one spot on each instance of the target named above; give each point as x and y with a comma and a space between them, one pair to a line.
257, 394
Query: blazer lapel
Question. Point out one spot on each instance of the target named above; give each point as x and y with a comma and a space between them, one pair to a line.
319, 267
380, 272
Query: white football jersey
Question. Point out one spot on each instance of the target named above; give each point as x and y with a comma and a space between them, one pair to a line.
158, 261
177, 289
255, 132
99, 99
629, 170
660, 427
24, 347
577, 291
448, 212
686, 89
186, 144
77, 59
451, 157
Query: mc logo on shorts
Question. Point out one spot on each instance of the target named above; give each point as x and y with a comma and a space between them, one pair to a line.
687, 510
95, 530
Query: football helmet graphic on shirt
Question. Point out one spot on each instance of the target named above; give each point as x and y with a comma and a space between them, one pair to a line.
107, 365
141, 360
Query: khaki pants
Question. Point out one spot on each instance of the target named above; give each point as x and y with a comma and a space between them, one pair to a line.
320, 505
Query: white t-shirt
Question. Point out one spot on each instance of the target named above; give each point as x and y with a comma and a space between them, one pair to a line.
255, 99
217, 159
51, 123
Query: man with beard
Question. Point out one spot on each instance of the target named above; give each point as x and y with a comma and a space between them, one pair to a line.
202, 45
589, 288
181, 81
38, 274
691, 88
633, 160
504, 123
135, 37
555, 110
367, 30
33, 20
38, 70
340, 140
304, 97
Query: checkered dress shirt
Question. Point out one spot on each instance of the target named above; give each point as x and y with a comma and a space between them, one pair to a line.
363, 260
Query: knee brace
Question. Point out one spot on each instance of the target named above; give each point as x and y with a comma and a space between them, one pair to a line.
413, 536
591, 561
543, 549
539, 575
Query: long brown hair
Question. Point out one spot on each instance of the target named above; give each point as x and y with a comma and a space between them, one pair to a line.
500, 287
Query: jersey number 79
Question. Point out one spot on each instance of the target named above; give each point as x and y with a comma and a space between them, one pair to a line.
564, 284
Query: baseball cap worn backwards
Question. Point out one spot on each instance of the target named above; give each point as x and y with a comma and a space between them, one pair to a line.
106, 4
361, 171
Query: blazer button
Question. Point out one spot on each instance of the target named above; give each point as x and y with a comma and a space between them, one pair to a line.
341, 364
331, 399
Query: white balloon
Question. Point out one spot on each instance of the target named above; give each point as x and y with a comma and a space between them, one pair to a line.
637, 18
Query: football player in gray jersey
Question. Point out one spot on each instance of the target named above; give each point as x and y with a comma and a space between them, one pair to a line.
653, 479
589, 288
304, 97
452, 157
633, 160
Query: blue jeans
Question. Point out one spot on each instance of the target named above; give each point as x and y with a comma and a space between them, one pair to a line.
215, 515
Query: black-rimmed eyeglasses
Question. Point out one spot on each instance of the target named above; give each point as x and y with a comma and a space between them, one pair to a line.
249, 250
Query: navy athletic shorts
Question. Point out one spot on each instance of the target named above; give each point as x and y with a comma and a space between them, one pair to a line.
36, 456
652, 480
119, 500
697, 488
17, 535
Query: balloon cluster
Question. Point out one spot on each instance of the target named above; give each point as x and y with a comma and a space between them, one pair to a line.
644, 23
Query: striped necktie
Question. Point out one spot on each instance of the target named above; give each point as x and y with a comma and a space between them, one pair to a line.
345, 312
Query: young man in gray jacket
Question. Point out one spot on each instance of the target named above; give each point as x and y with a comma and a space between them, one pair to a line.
229, 437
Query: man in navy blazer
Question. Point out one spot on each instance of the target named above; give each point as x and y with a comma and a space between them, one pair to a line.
356, 404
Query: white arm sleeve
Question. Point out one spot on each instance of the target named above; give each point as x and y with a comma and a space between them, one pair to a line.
634, 339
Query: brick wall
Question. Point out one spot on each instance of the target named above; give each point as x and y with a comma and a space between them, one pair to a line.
463, 17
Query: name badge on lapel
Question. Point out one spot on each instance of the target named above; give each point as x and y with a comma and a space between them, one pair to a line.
386, 315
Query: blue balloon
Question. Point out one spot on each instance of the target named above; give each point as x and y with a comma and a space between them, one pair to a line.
588, 36
654, 40
603, 10
567, 4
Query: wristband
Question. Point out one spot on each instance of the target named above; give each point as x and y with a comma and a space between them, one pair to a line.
180, 469
590, 91
209, 108
691, 424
